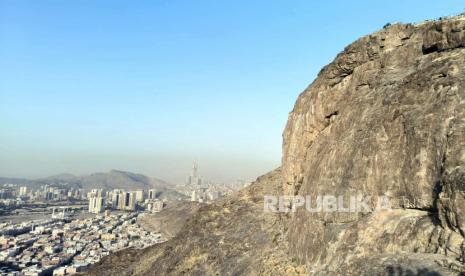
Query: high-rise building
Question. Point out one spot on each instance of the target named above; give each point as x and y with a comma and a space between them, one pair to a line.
116, 198
131, 205
195, 169
23, 191
152, 194
121, 205
48, 195
96, 192
127, 201
74, 193
140, 196
194, 179
96, 204
194, 195
6, 193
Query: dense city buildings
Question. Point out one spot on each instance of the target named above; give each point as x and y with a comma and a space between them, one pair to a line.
57, 229
69, 229
64, 247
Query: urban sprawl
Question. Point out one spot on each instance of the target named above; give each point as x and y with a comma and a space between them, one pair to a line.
59, 230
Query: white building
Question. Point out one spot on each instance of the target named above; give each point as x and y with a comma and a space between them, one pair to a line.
96, 193
127, 201
23, 191
140, 196
152, 194
96, 204
194, 196
116, 198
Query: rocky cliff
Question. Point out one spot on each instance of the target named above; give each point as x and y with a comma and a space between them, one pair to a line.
386, 117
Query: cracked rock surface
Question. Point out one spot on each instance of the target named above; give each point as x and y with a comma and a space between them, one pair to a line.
396, 103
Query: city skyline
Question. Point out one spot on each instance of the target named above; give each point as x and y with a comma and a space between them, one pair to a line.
169, 181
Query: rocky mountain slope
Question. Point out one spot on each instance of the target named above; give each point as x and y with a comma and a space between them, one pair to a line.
171, 219
386, 117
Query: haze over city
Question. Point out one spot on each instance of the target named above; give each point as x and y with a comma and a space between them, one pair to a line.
149, 87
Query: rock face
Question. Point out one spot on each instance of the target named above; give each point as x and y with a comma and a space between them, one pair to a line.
171, 219
386, 117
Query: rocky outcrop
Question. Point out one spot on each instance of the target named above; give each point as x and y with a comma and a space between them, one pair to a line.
444, 35
171, 219
386, 117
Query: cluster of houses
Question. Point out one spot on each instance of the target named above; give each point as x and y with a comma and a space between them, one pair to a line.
65, 247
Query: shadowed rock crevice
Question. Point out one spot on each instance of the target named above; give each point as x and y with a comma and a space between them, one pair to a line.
444, 35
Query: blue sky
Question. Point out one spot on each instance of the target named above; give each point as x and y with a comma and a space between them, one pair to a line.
150, 86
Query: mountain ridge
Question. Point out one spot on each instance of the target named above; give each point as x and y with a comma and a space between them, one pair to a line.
112, 179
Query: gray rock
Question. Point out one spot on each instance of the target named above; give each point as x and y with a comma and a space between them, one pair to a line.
385, 118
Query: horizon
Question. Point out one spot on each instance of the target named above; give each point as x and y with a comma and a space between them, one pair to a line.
102, 172
150, 87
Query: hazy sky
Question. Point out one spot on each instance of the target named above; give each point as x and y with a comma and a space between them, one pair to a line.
149, 86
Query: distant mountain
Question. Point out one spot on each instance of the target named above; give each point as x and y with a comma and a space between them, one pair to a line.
17, 181
113, 179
